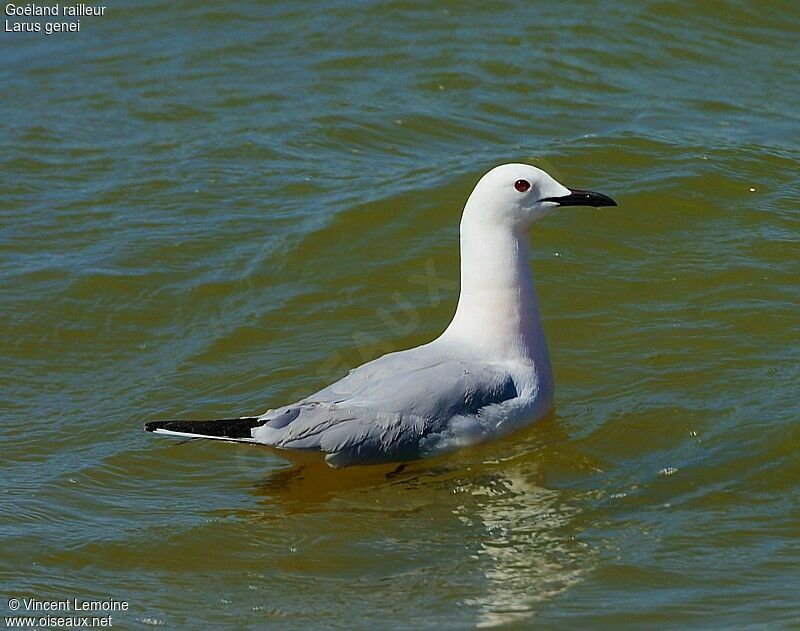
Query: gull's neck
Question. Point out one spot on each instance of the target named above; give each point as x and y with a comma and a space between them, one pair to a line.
498, 313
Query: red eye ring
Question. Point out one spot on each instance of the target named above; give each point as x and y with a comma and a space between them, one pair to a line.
522, 185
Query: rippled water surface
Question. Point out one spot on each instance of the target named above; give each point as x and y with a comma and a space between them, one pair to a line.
208, 209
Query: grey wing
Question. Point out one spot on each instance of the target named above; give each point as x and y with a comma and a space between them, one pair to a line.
384, 410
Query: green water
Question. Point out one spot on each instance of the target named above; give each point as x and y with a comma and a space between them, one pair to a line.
209, 209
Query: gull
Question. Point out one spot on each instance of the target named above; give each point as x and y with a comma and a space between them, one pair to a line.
487, 375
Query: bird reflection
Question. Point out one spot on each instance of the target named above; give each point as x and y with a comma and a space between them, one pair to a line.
303, 487
527, 551
511, 532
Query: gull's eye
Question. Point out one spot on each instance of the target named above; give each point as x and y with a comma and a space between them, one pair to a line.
522, 185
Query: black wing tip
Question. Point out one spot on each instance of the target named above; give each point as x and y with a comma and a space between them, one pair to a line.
221, 428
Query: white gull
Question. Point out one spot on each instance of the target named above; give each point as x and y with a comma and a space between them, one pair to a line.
486, 375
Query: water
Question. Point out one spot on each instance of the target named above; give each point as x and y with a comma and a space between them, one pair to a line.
207, 209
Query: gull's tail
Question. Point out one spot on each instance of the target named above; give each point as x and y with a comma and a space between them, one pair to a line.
233, 430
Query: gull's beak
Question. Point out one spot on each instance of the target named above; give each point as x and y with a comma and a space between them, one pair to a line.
581, 198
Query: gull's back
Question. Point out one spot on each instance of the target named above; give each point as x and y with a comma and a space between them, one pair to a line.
400, 406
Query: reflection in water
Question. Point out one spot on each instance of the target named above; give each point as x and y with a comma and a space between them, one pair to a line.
305, 486
513, 540
527, 551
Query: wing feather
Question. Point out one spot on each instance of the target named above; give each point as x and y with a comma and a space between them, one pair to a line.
384, 410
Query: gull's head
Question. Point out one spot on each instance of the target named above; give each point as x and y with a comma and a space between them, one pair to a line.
516, 195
